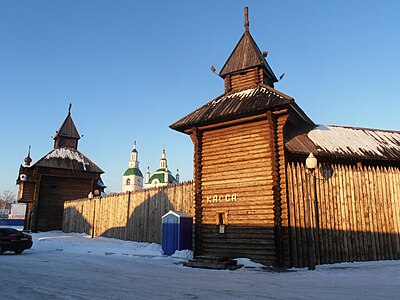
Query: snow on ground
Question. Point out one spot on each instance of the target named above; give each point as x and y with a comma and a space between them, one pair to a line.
83, 244
75, 266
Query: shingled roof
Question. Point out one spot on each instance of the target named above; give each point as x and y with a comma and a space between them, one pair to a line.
347, 142
231, 106
253, 97
68, 129
244, 56
65, 154
70, 159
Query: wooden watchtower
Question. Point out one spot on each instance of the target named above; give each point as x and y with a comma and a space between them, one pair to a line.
239, 159
255, 195
62, 174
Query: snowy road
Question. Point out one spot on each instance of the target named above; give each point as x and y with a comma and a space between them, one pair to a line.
72, 266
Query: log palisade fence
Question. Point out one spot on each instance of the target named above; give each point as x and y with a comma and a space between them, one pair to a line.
355, 215
132, 216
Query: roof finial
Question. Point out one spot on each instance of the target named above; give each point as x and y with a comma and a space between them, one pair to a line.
246, 19
28, 159
69, 108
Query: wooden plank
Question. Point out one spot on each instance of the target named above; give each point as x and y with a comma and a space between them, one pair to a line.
366, 207
369, 196
329, 217
322, 218
391, 203
389, 212
362, 216
348, 226
303, 212
341, 215
387, 228
395, 176
291, 216
299, 215
353, 211
379, 213
314, 213
334, 232
395, 211
378, 224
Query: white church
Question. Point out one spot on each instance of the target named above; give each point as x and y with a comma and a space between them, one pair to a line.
132, 180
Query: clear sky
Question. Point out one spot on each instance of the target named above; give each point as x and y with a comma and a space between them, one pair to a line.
131, 68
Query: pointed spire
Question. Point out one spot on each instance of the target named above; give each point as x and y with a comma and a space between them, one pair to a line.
246, 19
163, 160
67, 135
245, 57
28, 159
134, 162
148, 175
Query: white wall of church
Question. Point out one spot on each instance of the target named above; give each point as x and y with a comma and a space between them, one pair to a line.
132, 183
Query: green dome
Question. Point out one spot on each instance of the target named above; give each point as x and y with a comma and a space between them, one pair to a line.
133, 171
159, 174
160, 177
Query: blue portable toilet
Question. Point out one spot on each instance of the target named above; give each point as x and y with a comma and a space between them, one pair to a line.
177, 231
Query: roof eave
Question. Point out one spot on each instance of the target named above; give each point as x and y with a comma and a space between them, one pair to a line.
239, 117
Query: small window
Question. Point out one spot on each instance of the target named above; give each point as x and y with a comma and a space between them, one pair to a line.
221, 222
220, 218
128, 181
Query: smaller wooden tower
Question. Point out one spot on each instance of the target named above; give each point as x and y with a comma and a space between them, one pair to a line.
62, 174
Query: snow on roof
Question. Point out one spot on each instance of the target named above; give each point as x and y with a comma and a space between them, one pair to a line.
67, 158
69, 154
352, 141
234, 105
245, 94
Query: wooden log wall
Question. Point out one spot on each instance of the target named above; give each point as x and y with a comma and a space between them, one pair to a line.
243, 80
128, 216
248, 79
280, 208
236, 188
196, 137
355, 213
53, 192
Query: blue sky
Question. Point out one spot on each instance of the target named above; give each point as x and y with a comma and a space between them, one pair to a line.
132, 68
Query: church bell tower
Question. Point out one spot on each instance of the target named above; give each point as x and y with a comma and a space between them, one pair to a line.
132, 180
